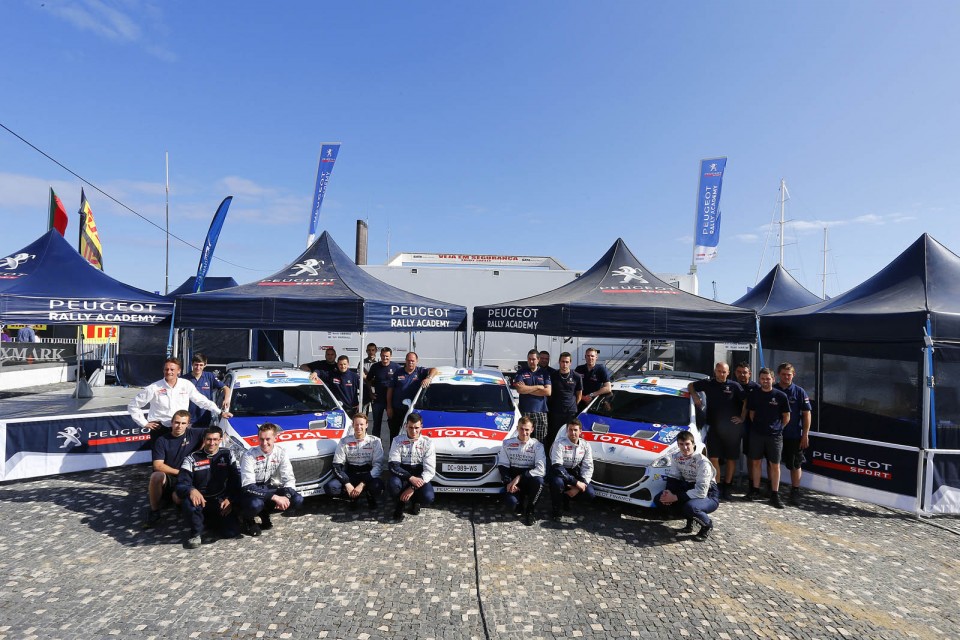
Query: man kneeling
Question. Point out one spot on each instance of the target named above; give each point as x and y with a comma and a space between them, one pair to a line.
267, 482
522, 464
356, 465
208, 485
695, 491
413, 463
571, 469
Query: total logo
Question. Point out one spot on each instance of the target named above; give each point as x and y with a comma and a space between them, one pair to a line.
461, 432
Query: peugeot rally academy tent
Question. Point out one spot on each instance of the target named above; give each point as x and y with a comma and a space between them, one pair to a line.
620, 298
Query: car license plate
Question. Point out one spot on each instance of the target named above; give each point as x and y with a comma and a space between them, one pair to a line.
461, 468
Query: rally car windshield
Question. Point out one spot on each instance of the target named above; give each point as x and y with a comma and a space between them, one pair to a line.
480, 398
644, 407
278, 400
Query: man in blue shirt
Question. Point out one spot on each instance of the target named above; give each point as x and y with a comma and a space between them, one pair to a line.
345, 385
533, 385
26, 334
380, 377
406, 382
769, 411
169, 451
207, 384
566, 389
796, 435
596, 378
724, 406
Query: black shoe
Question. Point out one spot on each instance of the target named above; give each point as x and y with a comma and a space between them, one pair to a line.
794, 498
193, 543
253, 529
153, 519
265, 523
372, 501
753, 494
518, 510
398, 514
556, 515
726, 492
527, 519
688, 528
414, 508
704, 532
208, 538
353, 505
775, 500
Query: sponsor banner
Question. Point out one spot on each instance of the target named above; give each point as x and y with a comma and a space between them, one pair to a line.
873, 465
708, 210
206, 256
35, 448
32, 352
299, 436
513, 318
420, 316
91, 311
459, 258
439, 488
942, 487
328, 156
625, 441
477, 433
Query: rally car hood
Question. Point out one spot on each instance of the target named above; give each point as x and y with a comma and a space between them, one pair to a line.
460, 433
636, 442
302, 435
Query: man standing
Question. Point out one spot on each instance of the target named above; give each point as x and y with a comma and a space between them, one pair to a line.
169, 451
543, 361
769, 411
357, 463
406, 382
380, 378
368, 362
724, 406
566, 390
345, 385
796, 435
26, 334
208, 485
266, 481
571, 469
168, 396
207, 384
533, 385
413, 463
523, 465
328, 365
596, 378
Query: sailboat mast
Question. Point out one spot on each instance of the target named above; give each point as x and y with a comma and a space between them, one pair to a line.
823, 283
784, 195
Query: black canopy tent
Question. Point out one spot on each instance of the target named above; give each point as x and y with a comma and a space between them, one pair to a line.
777, 291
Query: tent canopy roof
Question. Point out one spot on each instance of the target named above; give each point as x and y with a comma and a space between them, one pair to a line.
620, 297
49, 282
210, 283
322, 290
778, 291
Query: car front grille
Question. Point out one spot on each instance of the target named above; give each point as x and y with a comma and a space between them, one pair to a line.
311, 470
617, 475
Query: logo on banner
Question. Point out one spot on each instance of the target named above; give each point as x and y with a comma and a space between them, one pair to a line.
629, 274
307, 267
12, 262
70, 438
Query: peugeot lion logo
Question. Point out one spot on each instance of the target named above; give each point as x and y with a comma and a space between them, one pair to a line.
713, 166
628, 274
308, 267
70, 438
12, 262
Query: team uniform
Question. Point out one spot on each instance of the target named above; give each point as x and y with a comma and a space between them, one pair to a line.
380, 378
766, 429
345, 386
569, 463
217, 478
165, 401
593, 379
405, 386
357, 461
534, 407
527, 460
263, 476
207, 384
695, 484
562, 404
410, 458
724, 402
172, 451
799, 402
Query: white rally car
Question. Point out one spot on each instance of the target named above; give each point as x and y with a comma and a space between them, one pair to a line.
311, 420
468, 413
632, 432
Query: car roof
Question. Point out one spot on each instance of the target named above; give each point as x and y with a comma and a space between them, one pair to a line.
650, 384
255, 374
453, 375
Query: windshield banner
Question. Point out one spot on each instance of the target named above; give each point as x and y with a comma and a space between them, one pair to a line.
708, 210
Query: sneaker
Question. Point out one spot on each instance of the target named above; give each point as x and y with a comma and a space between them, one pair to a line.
518, 510
193, 543
775, 500
688, 528
704, 532
415, 508
265, 523
253, 529
153, 519
208, 538
527, 519
794, 498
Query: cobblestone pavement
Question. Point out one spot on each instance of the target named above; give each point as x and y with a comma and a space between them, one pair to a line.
75, 564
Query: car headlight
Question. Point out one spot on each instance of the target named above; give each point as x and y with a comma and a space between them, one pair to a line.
661, 462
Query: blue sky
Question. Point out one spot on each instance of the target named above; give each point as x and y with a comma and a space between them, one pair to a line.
508, 128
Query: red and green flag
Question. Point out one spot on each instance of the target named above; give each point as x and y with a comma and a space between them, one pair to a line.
58, 214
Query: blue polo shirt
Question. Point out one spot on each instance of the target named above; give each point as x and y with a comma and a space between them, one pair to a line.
768, 408
406, 385
345, 387
593, 379
381, 377
563, 391
173, 451
724, 399
208, 384
799, 402
530, 403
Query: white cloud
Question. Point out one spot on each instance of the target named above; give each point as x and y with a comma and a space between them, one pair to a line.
136, 22
243, 187
747, 238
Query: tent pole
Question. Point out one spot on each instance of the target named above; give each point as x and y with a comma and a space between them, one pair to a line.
170, 337
360, 373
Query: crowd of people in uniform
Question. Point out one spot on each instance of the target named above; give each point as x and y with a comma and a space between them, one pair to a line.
219, 493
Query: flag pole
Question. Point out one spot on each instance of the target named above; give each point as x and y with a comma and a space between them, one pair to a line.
166, 272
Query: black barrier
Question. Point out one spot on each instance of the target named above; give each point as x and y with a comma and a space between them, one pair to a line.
873, 465
21, 353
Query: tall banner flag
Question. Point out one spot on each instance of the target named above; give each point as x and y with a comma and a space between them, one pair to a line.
89, 238
58, 214
211, 243
328, 155
707, 234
